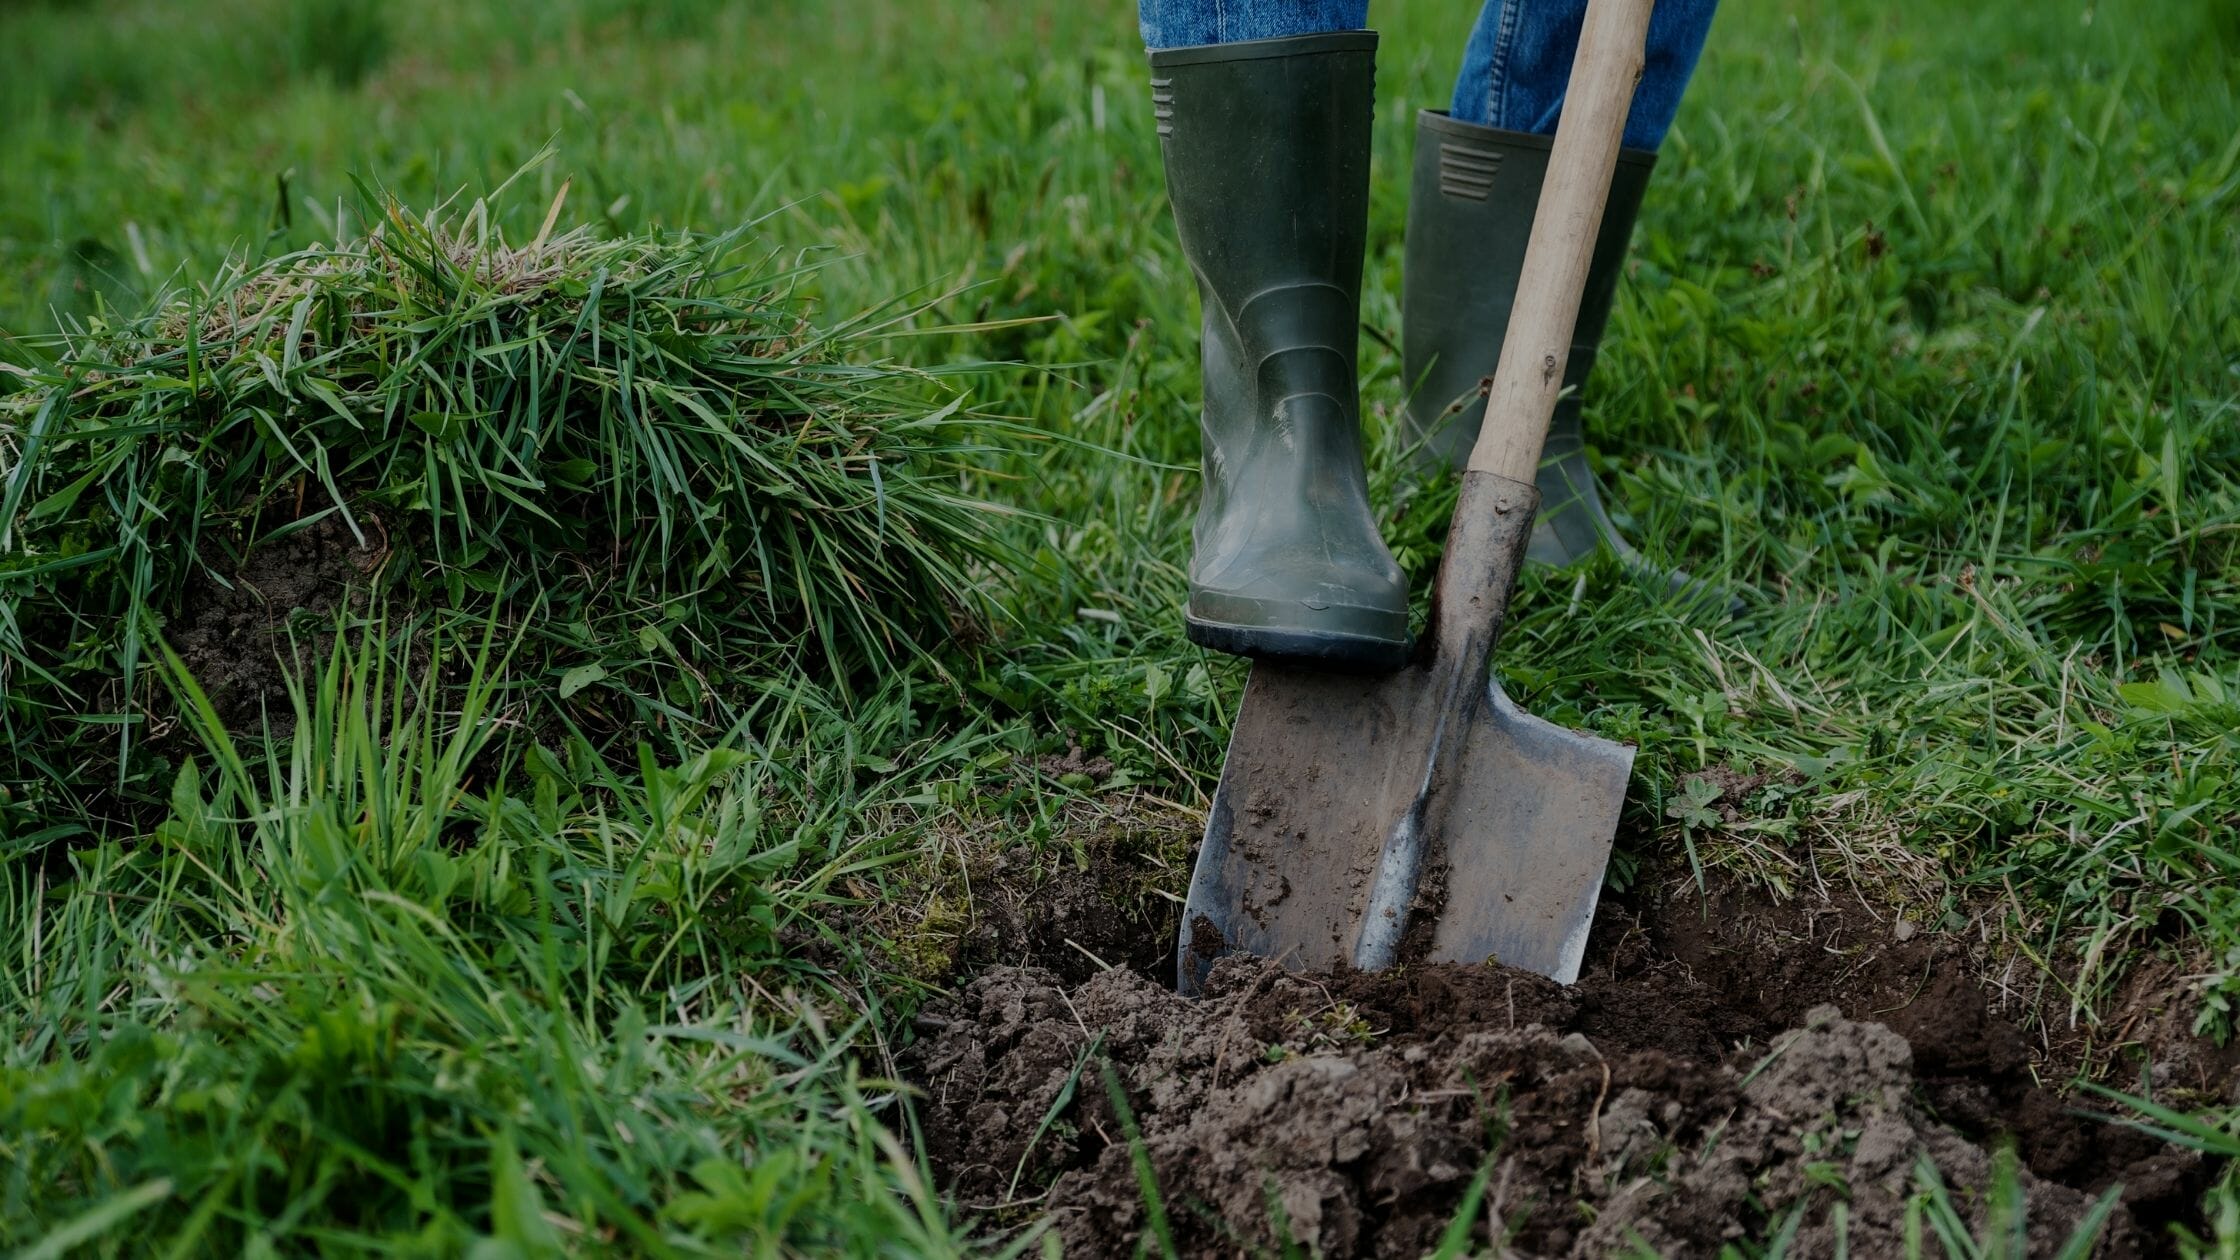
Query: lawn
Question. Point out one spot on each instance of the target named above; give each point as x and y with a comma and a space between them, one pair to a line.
511, 720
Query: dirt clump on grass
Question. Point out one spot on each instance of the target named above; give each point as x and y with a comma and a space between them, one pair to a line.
272, 617
1075, 767
1725, 1061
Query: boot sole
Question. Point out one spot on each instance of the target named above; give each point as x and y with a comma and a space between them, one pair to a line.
1338, 653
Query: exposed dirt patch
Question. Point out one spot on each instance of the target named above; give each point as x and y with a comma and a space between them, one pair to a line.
1724, 1061
243, 639
1075, 768
1089, 896
2146, 1026
1734, 965
1285, 1109
1075, 921
1754, 965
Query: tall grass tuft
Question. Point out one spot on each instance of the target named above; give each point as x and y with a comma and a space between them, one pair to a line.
339, 999
640, 451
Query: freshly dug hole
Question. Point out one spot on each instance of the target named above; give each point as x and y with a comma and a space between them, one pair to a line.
1354, 1112
1281, 1109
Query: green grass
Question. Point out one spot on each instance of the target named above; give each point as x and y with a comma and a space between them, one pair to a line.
394, 1012
1932, 345
638, 453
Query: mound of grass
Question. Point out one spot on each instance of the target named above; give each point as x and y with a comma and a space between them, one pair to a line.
639, 451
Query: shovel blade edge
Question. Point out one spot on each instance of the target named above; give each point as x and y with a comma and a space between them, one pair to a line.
1524, 839
1321, 767
1307, 793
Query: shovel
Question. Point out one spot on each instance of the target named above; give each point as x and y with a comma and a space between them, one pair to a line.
1423, 815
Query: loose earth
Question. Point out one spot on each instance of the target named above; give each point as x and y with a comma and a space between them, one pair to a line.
1728, 1068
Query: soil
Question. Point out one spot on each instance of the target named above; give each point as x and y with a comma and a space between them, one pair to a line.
1724, 1061
241, 638
1075, 768
1076, 918
2146, 1029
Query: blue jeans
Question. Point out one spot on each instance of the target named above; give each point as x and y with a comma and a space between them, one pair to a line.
1515, 66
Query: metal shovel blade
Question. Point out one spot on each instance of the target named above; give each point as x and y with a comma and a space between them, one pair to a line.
1421, 815
1528, 839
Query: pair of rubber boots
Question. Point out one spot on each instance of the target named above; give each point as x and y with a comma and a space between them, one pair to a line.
1267, 159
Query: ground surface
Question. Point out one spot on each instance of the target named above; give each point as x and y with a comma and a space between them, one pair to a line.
1350, 1115
1726, 1068
1930, 350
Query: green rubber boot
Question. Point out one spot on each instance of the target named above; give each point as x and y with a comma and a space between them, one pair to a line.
1267, 157
1469, 216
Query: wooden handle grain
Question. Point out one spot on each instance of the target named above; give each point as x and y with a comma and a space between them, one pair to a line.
1530, 375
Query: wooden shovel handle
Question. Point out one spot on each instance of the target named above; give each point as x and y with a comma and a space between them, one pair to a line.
1530, 375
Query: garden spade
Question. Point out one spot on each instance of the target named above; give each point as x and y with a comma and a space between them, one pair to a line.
1423, 815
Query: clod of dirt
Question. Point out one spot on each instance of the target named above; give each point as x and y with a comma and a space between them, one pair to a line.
1733, 964
236, 639
1352, 1114
1076, 768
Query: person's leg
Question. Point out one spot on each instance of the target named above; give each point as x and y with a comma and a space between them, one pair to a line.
1194, 23
1264, 116
1517, 65
1477, 181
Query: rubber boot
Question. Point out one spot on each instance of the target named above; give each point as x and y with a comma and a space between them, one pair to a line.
1267, 158
1469, 215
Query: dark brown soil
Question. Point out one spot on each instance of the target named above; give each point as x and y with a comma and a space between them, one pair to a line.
2145, 1028
1723, 1062
1077, 918
273, 616
1736, 964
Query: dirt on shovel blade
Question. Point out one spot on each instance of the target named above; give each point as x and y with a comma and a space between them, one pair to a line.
1651, 1106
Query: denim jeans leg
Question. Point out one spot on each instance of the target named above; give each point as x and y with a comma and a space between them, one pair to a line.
1517, 65
1193, 23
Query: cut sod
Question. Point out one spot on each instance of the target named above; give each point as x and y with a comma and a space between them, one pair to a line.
639, 452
